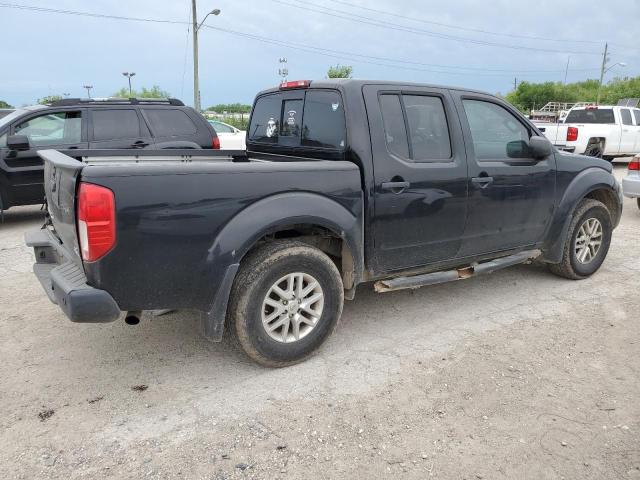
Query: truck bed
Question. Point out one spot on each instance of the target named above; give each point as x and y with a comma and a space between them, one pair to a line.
172, 211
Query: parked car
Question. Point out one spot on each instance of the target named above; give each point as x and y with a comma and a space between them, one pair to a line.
90, 124
631, 183
603, 132
5, 111
231, 138
343, 182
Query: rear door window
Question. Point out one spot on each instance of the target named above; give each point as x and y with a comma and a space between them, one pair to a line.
428, 128
625, 113
169, 122
394, 126
323, 120
115, 124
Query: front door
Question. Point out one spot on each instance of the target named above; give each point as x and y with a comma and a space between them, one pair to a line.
60, 130
420, 174
511, 195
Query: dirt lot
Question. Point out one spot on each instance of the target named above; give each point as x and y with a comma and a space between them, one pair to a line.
517, 375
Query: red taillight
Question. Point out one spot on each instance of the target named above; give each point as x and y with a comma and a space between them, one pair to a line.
634, 164
215, 143
572, 134
295, 84
96, 221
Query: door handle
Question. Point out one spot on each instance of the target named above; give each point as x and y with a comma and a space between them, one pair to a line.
482, 182
395, 187
139, 144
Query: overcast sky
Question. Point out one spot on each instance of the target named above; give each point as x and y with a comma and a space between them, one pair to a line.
46, 53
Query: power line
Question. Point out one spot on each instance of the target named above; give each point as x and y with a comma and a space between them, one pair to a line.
403, 28
343, 55
457, 27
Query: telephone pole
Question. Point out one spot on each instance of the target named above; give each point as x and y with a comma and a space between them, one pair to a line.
196, 27
605, 59
196, 83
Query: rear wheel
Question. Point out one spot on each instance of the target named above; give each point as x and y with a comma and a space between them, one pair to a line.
286, 300
594, 149
587, 241
638, 200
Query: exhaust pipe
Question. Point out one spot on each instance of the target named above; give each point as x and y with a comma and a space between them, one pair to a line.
133, 318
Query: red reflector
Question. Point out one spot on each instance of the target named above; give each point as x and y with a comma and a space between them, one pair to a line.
572, 134
96, 221
295, 84
634, 164
215, 143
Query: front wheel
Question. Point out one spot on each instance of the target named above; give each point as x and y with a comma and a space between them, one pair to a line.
286, 300
587, 241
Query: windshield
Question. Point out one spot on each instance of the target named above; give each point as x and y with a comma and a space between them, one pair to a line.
595, 115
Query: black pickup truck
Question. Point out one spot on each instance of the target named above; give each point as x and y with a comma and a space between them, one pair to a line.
343, 182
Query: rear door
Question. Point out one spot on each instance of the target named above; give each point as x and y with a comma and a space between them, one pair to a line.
511, 195
420, 173
636, 116
118, 127
52, 129
629, 131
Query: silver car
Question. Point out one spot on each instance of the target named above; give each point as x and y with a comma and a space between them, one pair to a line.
631, 183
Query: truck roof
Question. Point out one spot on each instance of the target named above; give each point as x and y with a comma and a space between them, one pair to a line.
351, 83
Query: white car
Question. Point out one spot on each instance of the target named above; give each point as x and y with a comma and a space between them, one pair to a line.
597, 131
631, 183
231, 138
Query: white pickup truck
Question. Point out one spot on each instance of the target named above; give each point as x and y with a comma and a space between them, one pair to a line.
598, 131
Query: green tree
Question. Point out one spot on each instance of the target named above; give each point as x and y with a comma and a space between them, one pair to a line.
153, 92
340, 71
230, 108
529, 95
4, 104
49, 99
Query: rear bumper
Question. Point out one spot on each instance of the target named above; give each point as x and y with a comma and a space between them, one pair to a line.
631, 186
65, 283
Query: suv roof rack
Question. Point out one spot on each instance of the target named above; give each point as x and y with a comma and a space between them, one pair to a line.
67, 102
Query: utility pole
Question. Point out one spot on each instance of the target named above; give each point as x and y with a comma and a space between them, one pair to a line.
602, 70
283, 71
196, 27
196, 83
88, 87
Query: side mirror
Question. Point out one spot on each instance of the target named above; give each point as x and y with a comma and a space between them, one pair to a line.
18, 143
540, 147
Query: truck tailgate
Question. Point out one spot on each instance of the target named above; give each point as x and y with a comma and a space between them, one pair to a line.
60, 176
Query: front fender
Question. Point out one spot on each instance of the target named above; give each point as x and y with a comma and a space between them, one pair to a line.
241, 233
587, 181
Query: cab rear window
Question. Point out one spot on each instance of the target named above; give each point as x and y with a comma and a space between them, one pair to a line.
592, 115
315, 121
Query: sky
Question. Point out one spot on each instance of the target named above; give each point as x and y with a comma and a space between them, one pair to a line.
484, 45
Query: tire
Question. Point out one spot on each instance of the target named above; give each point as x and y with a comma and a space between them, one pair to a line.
638, 200
571, 266
253, 295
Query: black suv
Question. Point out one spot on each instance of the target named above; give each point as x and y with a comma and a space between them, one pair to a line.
71, 124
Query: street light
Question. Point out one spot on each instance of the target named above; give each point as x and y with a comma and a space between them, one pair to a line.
196, 28
129, 75
88, 87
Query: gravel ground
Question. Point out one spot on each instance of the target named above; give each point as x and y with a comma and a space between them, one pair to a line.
516, 375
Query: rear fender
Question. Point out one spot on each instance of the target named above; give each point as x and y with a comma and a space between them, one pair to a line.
268, 215
583, 184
